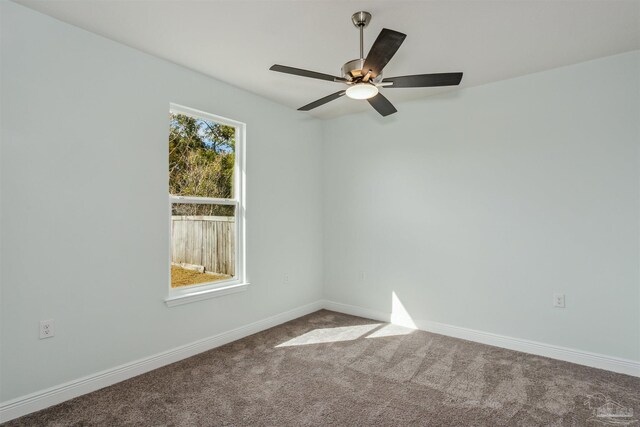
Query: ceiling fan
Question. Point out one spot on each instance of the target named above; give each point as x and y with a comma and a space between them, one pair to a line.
364, 75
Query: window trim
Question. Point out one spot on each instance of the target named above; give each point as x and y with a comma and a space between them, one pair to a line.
197, 292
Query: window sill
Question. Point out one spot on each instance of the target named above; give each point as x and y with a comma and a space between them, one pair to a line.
205, 294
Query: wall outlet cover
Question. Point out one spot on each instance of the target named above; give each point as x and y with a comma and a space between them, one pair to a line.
47, 329
558, 300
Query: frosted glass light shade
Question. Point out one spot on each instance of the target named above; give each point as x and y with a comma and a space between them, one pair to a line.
362, 91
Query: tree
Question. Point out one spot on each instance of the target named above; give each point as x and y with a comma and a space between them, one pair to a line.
201, 163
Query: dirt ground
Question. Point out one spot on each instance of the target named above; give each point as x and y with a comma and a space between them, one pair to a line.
183, 277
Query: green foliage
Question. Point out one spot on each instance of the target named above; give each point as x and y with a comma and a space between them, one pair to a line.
201, 162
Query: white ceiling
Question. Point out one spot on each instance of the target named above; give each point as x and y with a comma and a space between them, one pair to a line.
237, 41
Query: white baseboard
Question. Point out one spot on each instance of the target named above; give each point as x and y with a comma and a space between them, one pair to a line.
52, 396
357, 311
600, 361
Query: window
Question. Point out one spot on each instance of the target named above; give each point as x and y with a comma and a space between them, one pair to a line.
206, 202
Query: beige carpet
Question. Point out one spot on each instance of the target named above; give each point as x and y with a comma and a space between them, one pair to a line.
332, 369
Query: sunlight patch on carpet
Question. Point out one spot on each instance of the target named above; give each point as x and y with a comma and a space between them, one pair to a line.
391, 331
329, 335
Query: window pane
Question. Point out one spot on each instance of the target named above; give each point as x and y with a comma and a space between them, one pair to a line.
203, 242
201, 157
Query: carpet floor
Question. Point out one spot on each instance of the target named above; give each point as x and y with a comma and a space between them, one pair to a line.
333, 369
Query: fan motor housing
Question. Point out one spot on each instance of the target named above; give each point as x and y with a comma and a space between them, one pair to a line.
352, 71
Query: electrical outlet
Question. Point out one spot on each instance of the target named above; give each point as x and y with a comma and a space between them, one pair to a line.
558, 300
285, 278
47, 329
363, 276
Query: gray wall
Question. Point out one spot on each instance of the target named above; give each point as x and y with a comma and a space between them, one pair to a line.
476, 206
473, 207
84, 204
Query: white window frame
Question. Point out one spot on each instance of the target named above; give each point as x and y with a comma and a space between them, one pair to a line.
238, 283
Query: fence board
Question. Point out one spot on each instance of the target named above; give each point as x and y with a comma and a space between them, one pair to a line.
204, 240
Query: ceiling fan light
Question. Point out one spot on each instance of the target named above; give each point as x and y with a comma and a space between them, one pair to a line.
362, 91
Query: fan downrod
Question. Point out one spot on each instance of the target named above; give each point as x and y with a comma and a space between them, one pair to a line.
352, 70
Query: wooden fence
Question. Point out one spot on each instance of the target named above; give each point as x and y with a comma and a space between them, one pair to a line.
208, 241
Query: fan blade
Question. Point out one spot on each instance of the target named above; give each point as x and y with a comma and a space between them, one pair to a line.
383, 49
305, 73
382, 105
425, 80
322, 101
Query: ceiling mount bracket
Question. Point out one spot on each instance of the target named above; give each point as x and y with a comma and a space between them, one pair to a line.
361, 19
